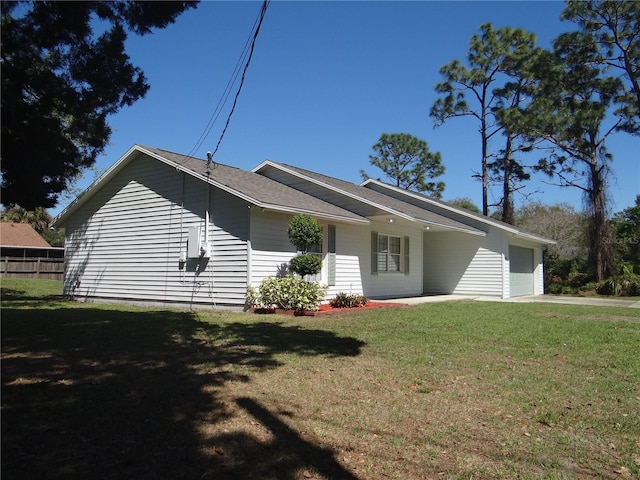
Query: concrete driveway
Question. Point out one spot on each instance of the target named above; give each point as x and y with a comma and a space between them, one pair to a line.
593, 301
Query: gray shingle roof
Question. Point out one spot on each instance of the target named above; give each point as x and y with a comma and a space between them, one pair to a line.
259, 189
387, 202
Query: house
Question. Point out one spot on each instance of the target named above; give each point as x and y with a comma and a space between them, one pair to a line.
21, 240
160, 227
25, 254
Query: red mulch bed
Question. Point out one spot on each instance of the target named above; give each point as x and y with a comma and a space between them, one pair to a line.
327, 309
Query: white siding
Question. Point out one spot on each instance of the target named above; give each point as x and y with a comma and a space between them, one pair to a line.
349, 260
539, 272
397, 284
271, 251
125, 242
463, 264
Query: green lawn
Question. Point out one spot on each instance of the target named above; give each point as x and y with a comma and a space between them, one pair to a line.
444, 390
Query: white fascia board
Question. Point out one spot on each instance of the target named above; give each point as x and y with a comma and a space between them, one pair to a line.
263, 164
535, 238
312, 213
463, 213
469, 231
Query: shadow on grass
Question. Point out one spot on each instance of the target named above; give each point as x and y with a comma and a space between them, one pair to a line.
21, 299
94, 393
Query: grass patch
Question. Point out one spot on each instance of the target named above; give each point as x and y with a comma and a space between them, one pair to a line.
444, 390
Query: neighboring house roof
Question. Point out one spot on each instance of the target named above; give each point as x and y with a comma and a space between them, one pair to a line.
420, 199
378, 204
20, 235
255, 189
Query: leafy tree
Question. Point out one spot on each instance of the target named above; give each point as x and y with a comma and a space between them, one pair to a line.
407, 161
571, 104
54, 237
560, 222
506, 169
474, 91
626, 238
565, 264
465, 203
60, 82
609, 36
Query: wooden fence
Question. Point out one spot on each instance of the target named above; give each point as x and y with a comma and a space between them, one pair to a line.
48, 268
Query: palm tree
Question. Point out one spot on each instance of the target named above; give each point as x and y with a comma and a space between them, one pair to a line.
39, 218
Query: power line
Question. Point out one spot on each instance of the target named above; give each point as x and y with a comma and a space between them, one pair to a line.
247, 50
263, 11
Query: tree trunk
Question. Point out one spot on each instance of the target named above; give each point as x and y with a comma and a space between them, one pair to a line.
507, 196
485, 169
597, 205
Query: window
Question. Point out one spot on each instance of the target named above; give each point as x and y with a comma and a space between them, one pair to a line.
389, 253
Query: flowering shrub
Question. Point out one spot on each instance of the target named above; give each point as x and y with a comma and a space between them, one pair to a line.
344, 300
288, 293
251, 298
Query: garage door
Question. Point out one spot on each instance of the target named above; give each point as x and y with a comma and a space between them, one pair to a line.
520, 271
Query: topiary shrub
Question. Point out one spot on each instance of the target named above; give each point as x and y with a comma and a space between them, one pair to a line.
305, 264
304, 232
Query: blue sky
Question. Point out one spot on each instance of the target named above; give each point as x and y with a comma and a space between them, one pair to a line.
326, 80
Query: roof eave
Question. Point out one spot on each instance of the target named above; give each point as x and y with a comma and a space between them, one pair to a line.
528, 236
382, 207
32, 247
469, 231
313, 213
470, 215
327, 186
